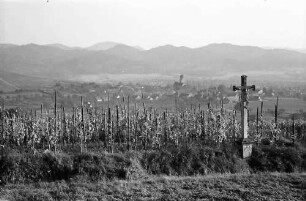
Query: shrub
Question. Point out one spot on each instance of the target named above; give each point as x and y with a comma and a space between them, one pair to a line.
272, 158
101, 166
193, 160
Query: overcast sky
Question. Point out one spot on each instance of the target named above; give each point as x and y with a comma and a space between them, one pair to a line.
150, 23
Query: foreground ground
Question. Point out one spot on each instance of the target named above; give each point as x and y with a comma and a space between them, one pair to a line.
265, 186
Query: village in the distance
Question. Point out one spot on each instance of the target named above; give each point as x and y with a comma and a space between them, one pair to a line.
161, 94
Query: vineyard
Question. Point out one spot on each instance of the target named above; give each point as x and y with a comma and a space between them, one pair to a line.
133, 127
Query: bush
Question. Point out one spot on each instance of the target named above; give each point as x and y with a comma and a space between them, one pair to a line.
101, 166
34, 167
181, 161
272, 158
193, 160
20, 168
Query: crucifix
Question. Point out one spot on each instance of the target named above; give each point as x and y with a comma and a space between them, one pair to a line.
246, 143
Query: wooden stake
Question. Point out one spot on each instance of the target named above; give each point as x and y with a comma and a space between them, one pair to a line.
128, 118
41, 110
82, 124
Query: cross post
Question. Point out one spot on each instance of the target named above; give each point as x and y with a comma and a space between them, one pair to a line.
246, 143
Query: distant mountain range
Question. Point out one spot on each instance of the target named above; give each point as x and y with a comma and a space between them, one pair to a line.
57, 61
108, 45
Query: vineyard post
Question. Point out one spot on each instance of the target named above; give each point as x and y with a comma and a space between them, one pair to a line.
109, 131
112, 135
82, 123
135, 125
257, 122
222, 109
128, 122
165, 126
144, 109
95, 122
64, 126
55, 123
203, 124
107, 99
246, 143
175, 101
293, 128
261, 120
2, 120
32, 129
41, 110
276, 113
104, 127
107, 139
261, 108
117, 125
73, 122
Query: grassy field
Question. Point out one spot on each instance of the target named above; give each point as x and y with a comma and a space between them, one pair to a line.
265, 186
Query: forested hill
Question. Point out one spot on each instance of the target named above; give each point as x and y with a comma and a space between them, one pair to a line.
214, 60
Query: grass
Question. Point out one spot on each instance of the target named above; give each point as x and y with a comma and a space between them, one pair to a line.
175, 173
263, 186
20, 167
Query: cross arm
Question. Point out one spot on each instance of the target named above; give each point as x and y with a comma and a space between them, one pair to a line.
235, 88
251, 87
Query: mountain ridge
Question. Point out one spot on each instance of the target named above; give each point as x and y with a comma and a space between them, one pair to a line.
213, 60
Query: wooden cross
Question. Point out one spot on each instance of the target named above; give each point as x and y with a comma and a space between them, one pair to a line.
244, 114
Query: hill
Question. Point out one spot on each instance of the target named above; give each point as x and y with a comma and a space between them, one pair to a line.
102, 46
217, 61
61, 46
12, 81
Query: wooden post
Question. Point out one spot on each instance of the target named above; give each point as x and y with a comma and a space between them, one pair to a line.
109, 131
293, 133
2, 120
246, 143
82, 123
222, 109
257, 118
73, 123
276, 111
41, 110
128, 122
55, 123
117, 125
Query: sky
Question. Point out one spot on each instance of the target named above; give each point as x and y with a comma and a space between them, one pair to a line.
151, 23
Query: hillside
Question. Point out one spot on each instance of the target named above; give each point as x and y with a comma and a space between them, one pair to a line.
13, 81
211, 61
102, 46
